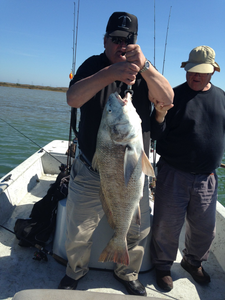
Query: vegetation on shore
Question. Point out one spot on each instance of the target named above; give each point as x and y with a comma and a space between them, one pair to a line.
34, 87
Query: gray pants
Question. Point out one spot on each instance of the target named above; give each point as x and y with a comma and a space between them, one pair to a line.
179, 194
84, 212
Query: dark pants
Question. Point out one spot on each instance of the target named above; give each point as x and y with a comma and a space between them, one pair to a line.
179, 194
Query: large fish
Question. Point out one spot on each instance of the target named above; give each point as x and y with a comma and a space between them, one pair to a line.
121, 162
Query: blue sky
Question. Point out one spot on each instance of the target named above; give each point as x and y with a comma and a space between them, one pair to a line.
36, 36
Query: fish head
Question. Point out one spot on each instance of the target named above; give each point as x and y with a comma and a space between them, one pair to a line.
121, 119
120, 111
114, 108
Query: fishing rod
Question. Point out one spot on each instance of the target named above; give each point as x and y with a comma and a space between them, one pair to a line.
166, 41
73, 61
42, 252
31, 140
75, 34
154, 33
75, 53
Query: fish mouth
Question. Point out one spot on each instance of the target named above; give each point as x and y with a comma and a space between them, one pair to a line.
120, 100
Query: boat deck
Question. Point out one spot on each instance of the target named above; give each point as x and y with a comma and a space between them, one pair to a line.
18, 271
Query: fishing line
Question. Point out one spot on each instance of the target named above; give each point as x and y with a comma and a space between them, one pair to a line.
30, 140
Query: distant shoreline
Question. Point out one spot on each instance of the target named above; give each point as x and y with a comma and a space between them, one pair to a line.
34, 87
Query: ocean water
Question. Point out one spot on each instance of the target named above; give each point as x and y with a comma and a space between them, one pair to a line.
42, 116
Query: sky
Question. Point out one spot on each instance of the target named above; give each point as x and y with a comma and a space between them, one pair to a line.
36, 36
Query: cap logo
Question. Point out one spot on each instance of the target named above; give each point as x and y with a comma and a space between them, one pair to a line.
124, 22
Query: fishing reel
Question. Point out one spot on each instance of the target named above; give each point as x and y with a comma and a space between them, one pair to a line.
63, 168
40, 255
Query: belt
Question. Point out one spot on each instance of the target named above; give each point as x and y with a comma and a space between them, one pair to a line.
86, 162
193, 173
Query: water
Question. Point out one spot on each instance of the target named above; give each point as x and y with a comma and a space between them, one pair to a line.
43, 116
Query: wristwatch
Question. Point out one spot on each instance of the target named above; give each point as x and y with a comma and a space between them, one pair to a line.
146, 66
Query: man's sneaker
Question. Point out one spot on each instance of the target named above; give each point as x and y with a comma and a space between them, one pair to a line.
164, 280
198, 273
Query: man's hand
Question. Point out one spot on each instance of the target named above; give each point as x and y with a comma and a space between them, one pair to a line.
161, 110
125, 72
135, 55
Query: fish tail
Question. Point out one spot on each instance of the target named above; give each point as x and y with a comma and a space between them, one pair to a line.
116, 253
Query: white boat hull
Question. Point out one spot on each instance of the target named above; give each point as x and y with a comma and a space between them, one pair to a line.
29, 183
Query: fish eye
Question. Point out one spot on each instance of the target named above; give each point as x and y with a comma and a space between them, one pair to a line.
109, 108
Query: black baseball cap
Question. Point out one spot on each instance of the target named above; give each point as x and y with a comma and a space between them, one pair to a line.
122, 24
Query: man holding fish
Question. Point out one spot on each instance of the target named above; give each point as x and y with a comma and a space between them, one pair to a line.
100, 80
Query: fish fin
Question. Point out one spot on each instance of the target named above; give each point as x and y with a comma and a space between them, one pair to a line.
115, 252
95, 162
147, 166
130, 162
